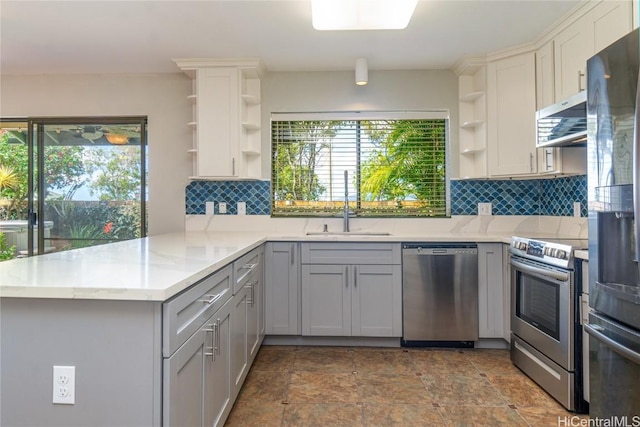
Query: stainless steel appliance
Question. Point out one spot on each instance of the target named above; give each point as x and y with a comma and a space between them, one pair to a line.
440, 294
546, 334
613, 154
564, 123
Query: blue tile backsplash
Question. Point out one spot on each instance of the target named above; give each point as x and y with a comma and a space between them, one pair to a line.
256, 194
554, 196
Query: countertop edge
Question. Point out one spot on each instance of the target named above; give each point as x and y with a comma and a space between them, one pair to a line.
236, 244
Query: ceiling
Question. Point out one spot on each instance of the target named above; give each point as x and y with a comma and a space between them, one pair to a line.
82, 36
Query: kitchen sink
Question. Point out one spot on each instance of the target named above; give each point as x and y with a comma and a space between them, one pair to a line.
347, 233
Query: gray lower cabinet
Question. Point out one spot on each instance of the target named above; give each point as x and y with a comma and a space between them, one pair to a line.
197, 383
490, 290
282, 288
239, 339
203, 370
351, 299
247, 319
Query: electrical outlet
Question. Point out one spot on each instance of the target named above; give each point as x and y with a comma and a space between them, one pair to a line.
484, 209
222, 207
576, 209
208, 208
242, 208
64, 385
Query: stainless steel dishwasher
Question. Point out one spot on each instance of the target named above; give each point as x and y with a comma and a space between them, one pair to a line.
440, 294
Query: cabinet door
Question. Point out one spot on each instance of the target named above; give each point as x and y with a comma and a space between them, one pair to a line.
217, 121
282, 288
326, 300
611, 20
511, 114
490, 290
545, 76
183, 383
506, 293
217, 390
239, 339
376, 303
253, 316
572, 47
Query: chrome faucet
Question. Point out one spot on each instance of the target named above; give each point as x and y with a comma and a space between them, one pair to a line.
345, 227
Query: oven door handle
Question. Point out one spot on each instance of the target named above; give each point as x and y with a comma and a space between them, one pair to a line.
627, 353
541, 272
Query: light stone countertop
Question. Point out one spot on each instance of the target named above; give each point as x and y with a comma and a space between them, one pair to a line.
582, 254
158, 267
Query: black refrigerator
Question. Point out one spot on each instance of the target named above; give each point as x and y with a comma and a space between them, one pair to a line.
613, 154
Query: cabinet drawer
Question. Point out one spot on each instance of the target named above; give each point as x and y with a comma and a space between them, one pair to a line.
184, 314
351, 253
246, 267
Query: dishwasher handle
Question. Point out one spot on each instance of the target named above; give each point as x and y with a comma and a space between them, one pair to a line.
435, 245
421, 251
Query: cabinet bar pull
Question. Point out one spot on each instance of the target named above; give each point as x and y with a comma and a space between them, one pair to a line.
211, 328
217, 342
346, 276
580, 76
355, 276
233, 166
531, 162
253, 285
212, 298
248, 266
250, 297
293, 252
549, 158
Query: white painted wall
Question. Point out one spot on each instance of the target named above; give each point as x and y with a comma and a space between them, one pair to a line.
160, 97
337, 91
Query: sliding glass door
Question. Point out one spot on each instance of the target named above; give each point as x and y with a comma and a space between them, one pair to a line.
85, 180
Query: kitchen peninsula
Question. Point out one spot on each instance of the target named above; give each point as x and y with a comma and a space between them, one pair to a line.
124, 315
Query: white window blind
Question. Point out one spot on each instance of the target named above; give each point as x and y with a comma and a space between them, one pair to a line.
395, 164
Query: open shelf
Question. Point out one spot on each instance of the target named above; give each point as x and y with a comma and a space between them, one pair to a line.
472, 151
250, 99
471, 96
471, 124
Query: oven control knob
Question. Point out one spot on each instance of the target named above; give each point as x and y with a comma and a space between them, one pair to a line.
551, 252
522, 246
561, 254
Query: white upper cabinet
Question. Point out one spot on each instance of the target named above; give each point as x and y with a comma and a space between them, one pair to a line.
511, 107
597, 29
610, 20
573, 46
227, 118
545, 90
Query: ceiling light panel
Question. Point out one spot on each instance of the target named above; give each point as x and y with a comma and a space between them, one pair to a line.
362, 14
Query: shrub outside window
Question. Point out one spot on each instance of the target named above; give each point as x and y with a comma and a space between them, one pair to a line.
395, 164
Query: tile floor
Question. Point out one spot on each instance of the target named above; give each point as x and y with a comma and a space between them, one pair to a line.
359, 386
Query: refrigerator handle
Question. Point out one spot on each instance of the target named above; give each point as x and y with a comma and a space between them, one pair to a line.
596, 332
636, 172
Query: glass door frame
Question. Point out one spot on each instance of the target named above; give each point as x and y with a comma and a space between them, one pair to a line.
36, 125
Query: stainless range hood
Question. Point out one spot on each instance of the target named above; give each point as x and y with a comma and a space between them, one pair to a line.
563, 124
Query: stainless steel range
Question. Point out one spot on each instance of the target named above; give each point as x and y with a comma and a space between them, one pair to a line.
546, 334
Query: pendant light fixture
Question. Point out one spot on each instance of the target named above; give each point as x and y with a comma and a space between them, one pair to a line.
362, 73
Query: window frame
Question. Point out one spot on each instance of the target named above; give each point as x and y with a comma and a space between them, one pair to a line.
432, 114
